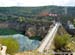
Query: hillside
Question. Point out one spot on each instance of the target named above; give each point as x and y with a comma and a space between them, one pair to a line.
22, 18
26, 11
15, 13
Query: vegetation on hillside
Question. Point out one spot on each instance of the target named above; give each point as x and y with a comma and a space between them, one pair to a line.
5, 31
12, 44
15, 13
63, 42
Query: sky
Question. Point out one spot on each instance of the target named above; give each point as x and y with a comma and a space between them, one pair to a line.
33, 3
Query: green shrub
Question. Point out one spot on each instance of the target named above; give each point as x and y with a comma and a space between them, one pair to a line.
61, 41
12, 44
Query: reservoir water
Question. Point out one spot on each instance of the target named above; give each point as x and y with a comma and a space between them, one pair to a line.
24, 42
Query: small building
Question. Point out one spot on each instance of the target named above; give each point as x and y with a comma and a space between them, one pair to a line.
70, 25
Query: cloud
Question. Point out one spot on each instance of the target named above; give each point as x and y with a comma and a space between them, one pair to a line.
37, 2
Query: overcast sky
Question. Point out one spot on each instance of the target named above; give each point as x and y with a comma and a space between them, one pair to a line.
36, 2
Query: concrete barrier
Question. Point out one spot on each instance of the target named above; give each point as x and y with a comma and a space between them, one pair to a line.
3, 50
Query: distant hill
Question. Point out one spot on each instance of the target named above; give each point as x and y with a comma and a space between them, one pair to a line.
29, 11
14, 14
21, 18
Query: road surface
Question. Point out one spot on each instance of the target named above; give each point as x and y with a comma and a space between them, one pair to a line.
49, 38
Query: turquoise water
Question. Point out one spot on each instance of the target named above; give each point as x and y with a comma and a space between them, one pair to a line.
24, 42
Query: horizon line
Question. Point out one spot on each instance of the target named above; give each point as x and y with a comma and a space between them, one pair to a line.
39, 6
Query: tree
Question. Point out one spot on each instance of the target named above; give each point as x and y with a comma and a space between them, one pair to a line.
61, 41
21, 19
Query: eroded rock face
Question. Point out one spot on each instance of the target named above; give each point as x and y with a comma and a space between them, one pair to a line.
37, 31
31, 31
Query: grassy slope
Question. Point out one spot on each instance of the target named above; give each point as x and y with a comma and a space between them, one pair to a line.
12, 44
62, 33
